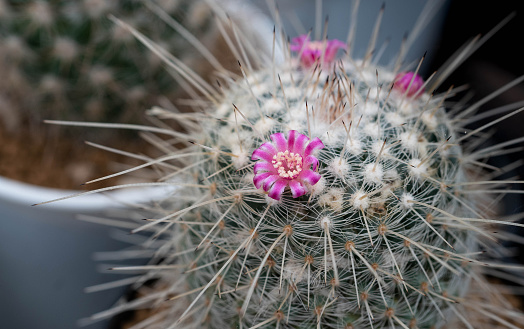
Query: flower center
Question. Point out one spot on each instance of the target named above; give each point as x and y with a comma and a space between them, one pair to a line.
288, 165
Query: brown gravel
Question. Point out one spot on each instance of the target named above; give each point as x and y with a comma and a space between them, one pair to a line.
59, 158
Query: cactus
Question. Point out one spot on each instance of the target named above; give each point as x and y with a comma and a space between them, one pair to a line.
321, 192
65, 60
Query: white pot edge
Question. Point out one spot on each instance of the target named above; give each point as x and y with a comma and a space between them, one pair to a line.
24, 194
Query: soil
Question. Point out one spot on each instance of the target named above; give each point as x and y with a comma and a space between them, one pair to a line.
58, 157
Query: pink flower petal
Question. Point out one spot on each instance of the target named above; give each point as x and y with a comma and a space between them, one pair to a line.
315, 144
269, 181
309, 59
310, 160
277, 189
291, 140
403, 79
297, 189
264, 166
280, 141
309, 176
264, 152
260, 178
268, 147
312, 52
300, 143
299, 42
331, 49
258, 154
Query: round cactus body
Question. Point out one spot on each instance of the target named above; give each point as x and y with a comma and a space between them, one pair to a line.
351, 214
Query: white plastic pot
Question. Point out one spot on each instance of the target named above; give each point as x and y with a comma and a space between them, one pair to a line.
46, 255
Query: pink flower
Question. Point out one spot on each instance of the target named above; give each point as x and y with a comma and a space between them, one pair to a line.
402, 81
286, 163
312, 51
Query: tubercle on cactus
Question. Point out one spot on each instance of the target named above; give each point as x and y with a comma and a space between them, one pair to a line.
387, 237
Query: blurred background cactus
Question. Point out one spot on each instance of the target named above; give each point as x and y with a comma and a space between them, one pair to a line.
65, 60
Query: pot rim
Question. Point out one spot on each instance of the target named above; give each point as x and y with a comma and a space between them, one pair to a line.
24, 194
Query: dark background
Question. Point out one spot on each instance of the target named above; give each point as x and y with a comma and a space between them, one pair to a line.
499, 61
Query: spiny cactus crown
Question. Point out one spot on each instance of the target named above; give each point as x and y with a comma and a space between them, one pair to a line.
67, 60
365, 235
